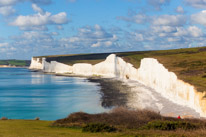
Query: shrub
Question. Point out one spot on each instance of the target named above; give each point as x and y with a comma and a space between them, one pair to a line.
119, 117
98, 127
204, 76
4, 118
170, 125
37, 118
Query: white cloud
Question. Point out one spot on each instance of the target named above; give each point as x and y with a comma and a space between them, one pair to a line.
40, 20
4, 45
8, 2
173, 39
13, 2
158, 3
164, 29
60, 18
35, 43
136, 18
179, 9
37, 9
7, 10
32, 20
180, 32
196, 3
138, 37
100, 44
195, 31
199, 18
94, 36
169, 20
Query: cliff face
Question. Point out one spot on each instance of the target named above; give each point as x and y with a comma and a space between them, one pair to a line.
151, 73
36, 63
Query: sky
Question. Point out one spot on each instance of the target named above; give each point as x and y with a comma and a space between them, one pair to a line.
52, 27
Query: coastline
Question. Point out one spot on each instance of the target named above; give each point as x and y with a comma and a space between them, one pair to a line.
7, 66
114, 92
134, 95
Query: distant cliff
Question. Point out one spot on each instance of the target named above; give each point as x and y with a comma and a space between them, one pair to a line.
151, 73
14, 63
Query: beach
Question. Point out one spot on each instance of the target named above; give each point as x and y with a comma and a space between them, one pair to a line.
134, 95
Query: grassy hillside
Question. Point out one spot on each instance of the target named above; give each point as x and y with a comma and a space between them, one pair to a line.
188, 64
31, 128
15, 62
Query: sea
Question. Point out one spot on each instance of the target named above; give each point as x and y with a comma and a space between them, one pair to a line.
27, 95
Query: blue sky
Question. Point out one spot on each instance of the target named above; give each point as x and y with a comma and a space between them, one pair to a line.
45, 27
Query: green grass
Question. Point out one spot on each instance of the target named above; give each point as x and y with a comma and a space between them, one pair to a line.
31, 128
15, 62
188, 64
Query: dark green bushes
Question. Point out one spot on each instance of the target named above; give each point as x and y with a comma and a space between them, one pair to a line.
119, 117
170, 125
98, 127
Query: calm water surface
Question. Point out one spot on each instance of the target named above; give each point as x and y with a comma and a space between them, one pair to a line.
26, 95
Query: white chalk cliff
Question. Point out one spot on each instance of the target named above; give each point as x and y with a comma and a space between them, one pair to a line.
151, 73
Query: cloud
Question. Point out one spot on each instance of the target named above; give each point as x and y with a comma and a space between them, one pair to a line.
39, 20
8, 2
88, 39
196, 3
94, 36
7, 10
195, 31
163, 29
169, 20
13, 2
6, 6
37, 9
157, 4
199, 18
161, 20
179, 9
4, 45
139, 18
6, 50
164, 37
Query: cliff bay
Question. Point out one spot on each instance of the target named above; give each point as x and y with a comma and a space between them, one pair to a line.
166, 72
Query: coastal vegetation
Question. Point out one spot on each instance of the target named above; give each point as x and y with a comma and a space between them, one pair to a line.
188, 64
17, 63
119, 122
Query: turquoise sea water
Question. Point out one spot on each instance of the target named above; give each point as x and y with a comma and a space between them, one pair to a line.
26, 95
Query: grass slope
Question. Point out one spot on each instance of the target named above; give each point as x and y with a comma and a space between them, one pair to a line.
188, 64
31, 128
15, 62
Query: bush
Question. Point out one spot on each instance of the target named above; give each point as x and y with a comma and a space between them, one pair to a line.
4, 118
204, 76
98, 128
37, 118
119, 117
170, 125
